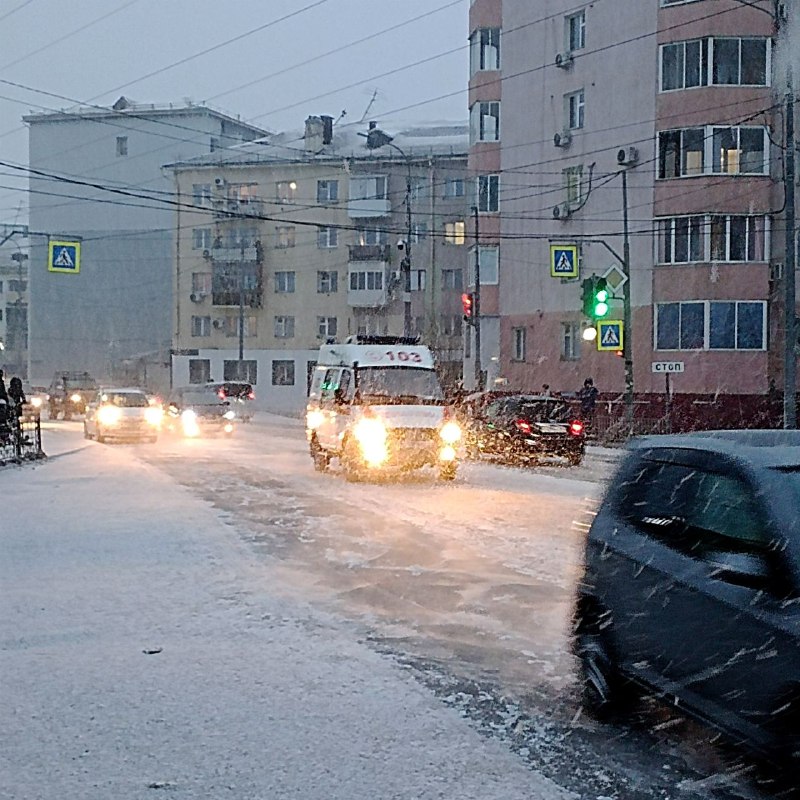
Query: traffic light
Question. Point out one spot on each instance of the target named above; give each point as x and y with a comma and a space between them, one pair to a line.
595, 295
466, 303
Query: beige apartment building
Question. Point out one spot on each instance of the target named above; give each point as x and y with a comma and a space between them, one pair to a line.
297, 239
680, 100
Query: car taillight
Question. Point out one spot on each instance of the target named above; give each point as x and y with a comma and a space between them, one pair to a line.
251, 396
523, 426
576, 428
221, 394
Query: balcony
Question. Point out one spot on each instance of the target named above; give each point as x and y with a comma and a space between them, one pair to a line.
367, 286
231, 208
369, 252
228, 276
370, 207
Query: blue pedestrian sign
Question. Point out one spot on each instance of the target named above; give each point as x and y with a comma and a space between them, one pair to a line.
609, 334
64, 257
563, 260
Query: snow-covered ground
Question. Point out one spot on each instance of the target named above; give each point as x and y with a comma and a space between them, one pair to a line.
143, 648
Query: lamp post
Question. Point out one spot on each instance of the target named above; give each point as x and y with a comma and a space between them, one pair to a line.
376, 139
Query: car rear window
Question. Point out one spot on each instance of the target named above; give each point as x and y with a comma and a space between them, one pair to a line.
125, 399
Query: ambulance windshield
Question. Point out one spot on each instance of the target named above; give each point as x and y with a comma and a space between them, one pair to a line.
399, 385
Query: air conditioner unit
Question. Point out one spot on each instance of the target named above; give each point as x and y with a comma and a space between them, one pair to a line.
562, 211
218, 323
197, 297
206, 254
563, 139
219, 182
564, 60
627, 156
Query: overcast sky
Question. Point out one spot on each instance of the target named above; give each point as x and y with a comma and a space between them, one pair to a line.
272, 62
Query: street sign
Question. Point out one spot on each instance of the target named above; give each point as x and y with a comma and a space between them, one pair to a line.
667, 367
609, 334
563, 261
64, 257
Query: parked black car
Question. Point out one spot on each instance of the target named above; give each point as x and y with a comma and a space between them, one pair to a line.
521, 429
69, 393
239, 394
692, 584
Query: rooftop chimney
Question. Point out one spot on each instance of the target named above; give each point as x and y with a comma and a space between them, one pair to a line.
315, 134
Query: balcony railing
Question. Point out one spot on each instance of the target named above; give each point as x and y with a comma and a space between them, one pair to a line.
226, 208
369, 252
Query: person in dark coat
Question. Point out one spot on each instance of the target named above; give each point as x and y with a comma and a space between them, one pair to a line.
16, 395
3, 393
588, 398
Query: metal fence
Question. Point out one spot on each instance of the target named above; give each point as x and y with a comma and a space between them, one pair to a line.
21, 440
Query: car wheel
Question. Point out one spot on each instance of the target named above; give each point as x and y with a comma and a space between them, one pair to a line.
99, 436
320, 457
603, 690
349, 462
448, 472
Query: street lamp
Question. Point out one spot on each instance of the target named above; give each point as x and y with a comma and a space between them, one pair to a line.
376, 138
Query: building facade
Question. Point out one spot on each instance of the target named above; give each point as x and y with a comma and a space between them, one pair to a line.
297, 239
14, 309
96, 178
678, 100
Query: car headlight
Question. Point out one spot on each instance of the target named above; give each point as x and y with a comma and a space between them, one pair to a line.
229, 415
371, 435
314, 419
108, 415
36, 402
450, 432
189, 423
152, 415
76, 398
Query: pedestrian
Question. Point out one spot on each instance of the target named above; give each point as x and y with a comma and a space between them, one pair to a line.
588, 398
16, 396
3, 393
546, 390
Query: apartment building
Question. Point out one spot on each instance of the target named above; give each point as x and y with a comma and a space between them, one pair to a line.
291, 241
14, 310
678, 101
96, 178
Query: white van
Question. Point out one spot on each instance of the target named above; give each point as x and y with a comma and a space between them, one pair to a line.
376, 404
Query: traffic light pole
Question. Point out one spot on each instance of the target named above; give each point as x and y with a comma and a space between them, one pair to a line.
476, 307
789, 350
627, 327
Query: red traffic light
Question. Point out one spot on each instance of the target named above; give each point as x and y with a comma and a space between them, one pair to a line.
466, 304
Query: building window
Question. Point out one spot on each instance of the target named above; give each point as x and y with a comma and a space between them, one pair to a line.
681, 153
326, 327
683, 65
488, 188
201, 326
454, 187
371, 236
368, 187
575, 31
574, 109
284, 327
455, 232
249, 326
419, 187
484, 50
739, 62
417, 278
682, 240
282, 373
199, 370
327, 191
738, 151
327, 237
573, 184
738, 238
714, 325
16, 285
241, 236
234, 370
201, 239
201, 194
484, 122
286, 191
712, 150
213, 144
570, 341
284, 237
368, 280
488, 258
122, 145
284, 282
518, 337
452, 279
327, 281
419, 232
201, 282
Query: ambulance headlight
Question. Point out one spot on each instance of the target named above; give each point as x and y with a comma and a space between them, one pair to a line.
450, 432
108, 415
76, 398
314, 419
371, 435
152, 415
36, 402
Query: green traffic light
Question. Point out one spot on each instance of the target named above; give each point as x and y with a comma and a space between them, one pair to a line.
600, 309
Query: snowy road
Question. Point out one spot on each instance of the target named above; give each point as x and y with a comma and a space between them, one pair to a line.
467, 585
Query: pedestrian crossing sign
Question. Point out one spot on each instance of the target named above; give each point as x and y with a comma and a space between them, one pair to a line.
64, 257
563, 261
609, 334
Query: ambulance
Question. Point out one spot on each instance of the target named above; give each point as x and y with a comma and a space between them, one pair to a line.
375, 403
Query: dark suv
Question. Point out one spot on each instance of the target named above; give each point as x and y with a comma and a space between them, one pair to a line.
692, 584
69, 393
